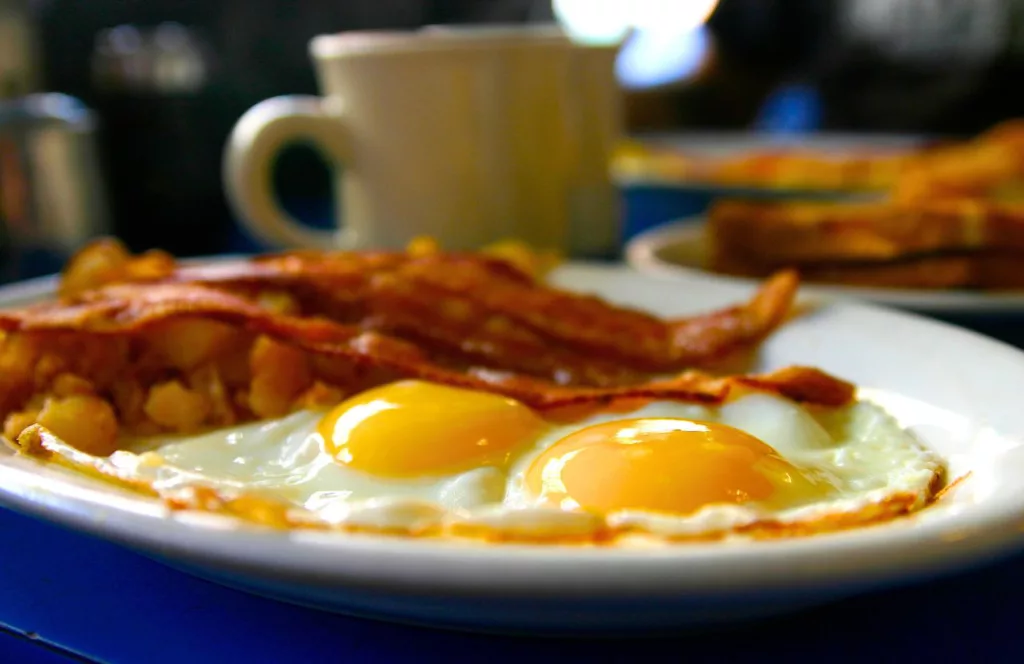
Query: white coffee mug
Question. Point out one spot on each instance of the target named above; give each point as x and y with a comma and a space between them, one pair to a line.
466, 135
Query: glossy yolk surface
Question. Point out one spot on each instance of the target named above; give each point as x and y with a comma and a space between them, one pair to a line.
665, 465
418, 428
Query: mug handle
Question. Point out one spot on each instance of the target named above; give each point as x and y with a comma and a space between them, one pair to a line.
257, 138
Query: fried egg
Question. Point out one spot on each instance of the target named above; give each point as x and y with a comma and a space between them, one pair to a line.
414, 455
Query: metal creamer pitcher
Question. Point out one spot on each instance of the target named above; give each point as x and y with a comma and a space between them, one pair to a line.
52, 198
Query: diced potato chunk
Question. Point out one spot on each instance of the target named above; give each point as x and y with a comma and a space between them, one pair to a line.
280, 373
422, 246
101, 262
206, 381
320, 395
153, 264
85, 422
18, 422
187, 343
69, 384
174, 406
106, 261
18, 354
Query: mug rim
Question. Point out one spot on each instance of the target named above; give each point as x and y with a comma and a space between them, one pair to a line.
433, 38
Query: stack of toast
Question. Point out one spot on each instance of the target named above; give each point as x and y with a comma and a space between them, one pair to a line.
954, 219
960, 243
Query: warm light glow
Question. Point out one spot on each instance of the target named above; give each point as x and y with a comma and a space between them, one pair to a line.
669, 16
611, 20
417, 428
653, 58
662, 40
593, 21
666, 465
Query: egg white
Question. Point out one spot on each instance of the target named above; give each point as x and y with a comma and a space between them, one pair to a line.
859, 448
285, 458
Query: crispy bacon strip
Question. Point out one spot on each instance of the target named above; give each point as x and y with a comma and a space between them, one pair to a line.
458, 328
479, 309
639, 340
572, 348
716, 334
129, 308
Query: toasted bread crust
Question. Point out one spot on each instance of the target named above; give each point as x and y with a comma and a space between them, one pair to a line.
992, 270
935, 244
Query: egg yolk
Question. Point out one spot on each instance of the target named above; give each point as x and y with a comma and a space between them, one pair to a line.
665, 465
419, 428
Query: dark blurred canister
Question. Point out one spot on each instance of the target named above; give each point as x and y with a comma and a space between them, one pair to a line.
52, 197
164, 124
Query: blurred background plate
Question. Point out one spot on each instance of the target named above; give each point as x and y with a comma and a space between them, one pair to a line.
719, 144
653, 197
678, 249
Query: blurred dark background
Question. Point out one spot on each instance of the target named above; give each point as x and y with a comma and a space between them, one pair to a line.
163, 133
168, 78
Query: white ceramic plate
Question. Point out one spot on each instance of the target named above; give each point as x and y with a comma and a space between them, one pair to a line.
957, 391
679, 249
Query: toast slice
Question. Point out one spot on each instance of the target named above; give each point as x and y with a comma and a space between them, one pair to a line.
812, 232
989, 166
988, 270
941, 243
811, 170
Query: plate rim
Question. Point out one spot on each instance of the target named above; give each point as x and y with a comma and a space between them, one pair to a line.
642, 253
387, 564
729, 142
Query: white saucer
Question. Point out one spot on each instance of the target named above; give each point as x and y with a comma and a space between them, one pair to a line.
956, 390
679, 249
